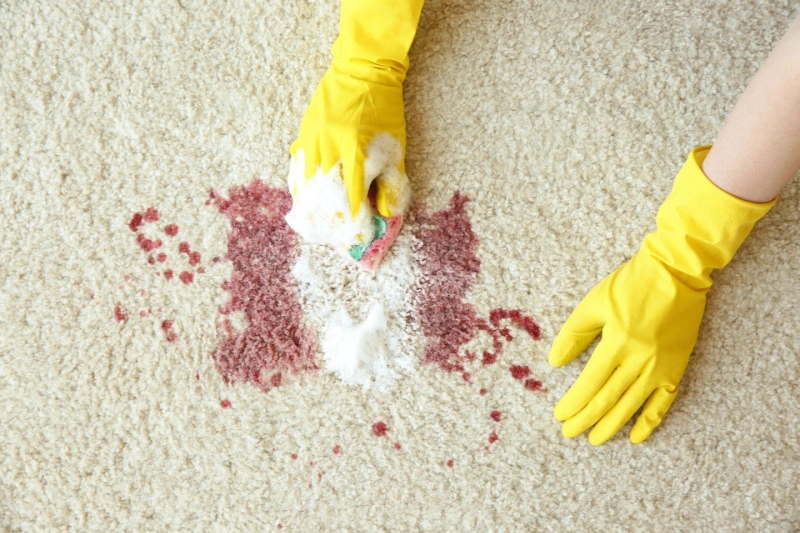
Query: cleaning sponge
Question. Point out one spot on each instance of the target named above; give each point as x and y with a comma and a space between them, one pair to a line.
369, 256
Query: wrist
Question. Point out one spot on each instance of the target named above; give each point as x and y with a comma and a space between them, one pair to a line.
700, 226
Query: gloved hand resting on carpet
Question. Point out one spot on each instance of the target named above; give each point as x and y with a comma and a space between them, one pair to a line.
354, 130
649, 310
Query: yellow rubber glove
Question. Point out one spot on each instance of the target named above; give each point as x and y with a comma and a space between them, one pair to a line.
361, 96
649, 310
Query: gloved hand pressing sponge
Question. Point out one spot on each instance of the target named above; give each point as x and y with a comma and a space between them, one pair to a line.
354, 130
649, 310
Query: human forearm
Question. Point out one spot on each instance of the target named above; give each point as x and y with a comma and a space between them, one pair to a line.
758, 150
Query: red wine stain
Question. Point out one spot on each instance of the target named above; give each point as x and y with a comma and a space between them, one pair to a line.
337, 449
495, 415
168, 274
312, 464
519, 371
450, 463
215, 259
294, 456
201, 270
166, 326
493, 437
467, 376
280, 526
151, 260
184, 247
161, 257
262, 249
534, 385
147, 244
143, 313
194, 258
483, 391
171, 229
151, 215
119, 314
449, 266
135, 222
197, 377
380, 429
397, 446
186, 277
225, 404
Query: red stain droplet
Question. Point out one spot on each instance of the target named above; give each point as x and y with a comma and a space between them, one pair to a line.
194, 258
380, 429
495, 415
534, 385
171, 229
483, 391
119, 314
186, 277
135, 222
184, 247
201, 270
161, 257
337, 449
519, 371
467, 376
168, 274
397, 446
493, 437
450, 463
225, 404
151, 214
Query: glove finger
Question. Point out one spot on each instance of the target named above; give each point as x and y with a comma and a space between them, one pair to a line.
393, 193
653, 412
604, 401
353, 157
594, 375
577, 333
620, 412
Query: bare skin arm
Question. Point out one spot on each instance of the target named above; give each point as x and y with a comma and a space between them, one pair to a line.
758, 150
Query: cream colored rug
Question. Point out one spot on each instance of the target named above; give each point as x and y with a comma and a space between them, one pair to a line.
133, 402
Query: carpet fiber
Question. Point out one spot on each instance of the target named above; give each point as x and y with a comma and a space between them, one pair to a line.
137, 395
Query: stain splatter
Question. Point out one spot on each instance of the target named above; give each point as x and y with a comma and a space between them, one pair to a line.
194, 258
450, 463
225, 404
534, 385
337, 449
466, 376
161, 257
519, 371
135, 222
171, 229
483, 391
493, 437
397, 446
166, 326
151, 214
449, 266
119, 314
380, 429
184, 247
186, 277
294, 456
495, 415
168, 274
262, 248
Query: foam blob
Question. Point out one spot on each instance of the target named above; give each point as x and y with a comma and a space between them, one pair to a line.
358, 352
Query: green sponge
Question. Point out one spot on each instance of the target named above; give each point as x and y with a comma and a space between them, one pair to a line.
357, 251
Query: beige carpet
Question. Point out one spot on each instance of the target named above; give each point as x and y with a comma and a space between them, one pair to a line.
566, 120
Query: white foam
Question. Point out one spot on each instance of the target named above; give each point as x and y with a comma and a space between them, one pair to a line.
368, 339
